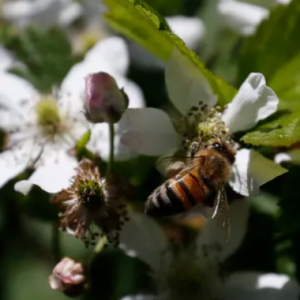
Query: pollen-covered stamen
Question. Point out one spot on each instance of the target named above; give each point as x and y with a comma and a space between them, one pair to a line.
213, 124
92, 201
200, 124
186, 126
49, 118
47, 112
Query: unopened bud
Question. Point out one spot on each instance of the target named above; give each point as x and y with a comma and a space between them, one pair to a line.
104, 101
68, 276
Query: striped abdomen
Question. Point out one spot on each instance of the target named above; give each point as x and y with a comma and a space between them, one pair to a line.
178, 194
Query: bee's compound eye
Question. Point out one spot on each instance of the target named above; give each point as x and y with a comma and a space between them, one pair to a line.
217, 146
194, 148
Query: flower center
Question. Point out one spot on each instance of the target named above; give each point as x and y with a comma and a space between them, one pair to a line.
89, 38
200, 123
212, 124
91, 200
92, 195
47, 112
86, 40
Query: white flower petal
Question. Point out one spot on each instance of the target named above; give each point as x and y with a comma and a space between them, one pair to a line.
17, 97
52, 176
109, 55
238, 216
113, 51
17, 11
186, 85
283, 1
142, 58
213, 235
74, 82
190, 30
254, 101
15, 160
209, 245
252, 285
292, 156
15, 91
69, 12
23, 13
142, 237
99, 143
251, 170
242, 17
6, 59
133, 91
140, 297
148, 131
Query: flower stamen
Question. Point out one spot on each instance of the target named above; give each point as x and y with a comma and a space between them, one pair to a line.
92, 201
200, 123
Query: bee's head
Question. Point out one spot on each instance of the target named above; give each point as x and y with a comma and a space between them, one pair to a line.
223, 147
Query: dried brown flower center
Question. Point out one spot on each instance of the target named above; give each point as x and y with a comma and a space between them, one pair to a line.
93, 202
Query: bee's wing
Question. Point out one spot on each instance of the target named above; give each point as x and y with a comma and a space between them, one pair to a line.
172, 165
221, 213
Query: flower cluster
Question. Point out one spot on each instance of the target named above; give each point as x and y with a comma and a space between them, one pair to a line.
82, 141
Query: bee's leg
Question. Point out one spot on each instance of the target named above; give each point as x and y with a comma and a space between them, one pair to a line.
208, 171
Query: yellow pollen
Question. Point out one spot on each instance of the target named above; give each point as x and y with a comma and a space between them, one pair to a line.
47, 112
86, 40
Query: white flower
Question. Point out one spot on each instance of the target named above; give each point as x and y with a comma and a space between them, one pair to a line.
44, 13
283, 1
142, 237
43, 128
6, 59
243, 17
150, 131
292, 156
250, 286
92, 26
190, 29
199, 269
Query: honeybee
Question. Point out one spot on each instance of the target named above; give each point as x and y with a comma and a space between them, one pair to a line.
198, 178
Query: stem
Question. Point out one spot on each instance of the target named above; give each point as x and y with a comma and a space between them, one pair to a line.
56, 243
99, 247
111, 147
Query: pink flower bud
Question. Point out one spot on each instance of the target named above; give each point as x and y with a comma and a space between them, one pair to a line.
68, 276
104, 101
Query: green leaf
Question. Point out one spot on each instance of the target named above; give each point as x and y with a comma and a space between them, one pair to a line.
144, 25
283, 130
47, 55
266, 203
275, 43
275, 51
81, 149
286, 84
83, 141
